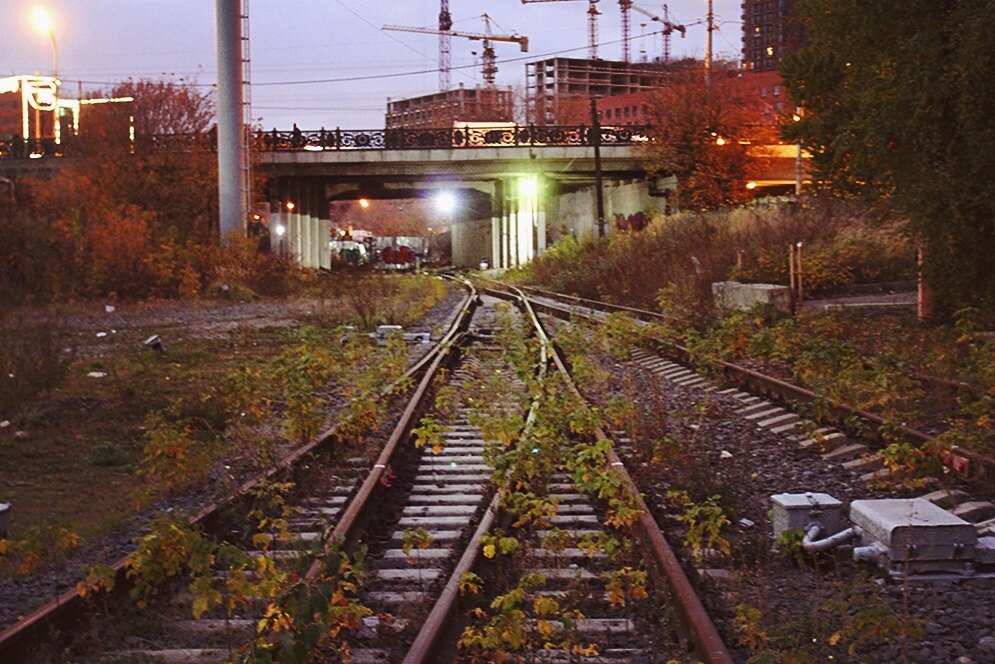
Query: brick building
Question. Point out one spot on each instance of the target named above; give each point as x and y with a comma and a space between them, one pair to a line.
442, 109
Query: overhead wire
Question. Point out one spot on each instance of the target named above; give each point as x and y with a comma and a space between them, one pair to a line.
374, 77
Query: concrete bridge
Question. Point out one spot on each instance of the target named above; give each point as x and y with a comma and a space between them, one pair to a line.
518, 187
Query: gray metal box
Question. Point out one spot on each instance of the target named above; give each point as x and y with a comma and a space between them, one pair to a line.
915, 533
795, 511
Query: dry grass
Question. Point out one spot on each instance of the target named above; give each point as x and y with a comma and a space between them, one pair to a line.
75, 464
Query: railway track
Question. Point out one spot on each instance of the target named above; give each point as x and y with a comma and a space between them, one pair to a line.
780, 397
414, 534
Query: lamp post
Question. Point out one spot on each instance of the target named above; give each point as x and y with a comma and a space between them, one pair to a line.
41, 20
797, 117
43, 23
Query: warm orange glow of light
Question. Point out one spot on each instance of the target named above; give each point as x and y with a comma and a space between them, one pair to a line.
290, 206
364, 203
41, 20
751, 185
720, 141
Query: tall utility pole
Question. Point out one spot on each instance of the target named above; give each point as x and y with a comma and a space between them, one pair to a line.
598, 180
231, 136
710, 23
445, 46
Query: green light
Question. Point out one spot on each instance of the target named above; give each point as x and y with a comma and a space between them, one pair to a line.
528, 185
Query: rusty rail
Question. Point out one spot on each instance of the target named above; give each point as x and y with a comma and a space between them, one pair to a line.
968, 463
65, 610
665, 567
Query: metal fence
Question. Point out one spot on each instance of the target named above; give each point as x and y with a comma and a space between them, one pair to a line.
319, 140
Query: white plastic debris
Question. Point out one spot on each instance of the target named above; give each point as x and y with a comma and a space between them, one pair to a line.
746, 523
725, 454
101, 335
4, 424
96, 374
109, 308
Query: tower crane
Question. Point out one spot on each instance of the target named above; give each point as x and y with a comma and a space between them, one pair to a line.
592, 24
668, 27
625, 6
445, 45
489, 68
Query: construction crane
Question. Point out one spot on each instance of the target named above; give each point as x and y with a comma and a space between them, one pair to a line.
489, 66
668, 27
625, 6
445, 46
592, 24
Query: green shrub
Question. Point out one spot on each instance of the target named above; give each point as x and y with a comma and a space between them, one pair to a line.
108, 454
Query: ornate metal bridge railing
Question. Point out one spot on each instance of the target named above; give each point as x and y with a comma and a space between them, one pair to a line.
495, 136
297, 140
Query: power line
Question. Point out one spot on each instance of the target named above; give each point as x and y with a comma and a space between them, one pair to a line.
371, 77
374, 77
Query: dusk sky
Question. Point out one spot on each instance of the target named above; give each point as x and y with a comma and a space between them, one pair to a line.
297, 43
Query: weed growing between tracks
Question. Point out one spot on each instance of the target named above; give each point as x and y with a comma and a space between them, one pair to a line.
187, 422
512, 616
782, 606
875, 365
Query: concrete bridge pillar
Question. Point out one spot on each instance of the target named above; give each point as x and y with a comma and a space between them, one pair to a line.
301, 208
518, 224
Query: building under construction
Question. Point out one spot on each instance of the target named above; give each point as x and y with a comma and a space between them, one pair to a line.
558, 90
442, 109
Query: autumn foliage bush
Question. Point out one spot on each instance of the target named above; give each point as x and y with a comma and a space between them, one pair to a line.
131, 222
684, 254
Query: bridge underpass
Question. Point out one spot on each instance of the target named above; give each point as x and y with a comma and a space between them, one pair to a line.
512, 200
520, 187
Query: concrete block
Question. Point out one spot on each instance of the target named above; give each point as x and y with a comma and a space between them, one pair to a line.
946, 498
974, 511
845, 453
984, 554
734, 295
863, 464
985, 527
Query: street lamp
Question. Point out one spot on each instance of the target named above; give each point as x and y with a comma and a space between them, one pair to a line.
797, 117
445, 202
43, 23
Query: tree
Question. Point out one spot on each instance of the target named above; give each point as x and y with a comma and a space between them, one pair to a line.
119, 218
168, 107
696, 126
897, 98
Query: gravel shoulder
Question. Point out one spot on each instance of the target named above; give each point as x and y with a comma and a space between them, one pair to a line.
762, 601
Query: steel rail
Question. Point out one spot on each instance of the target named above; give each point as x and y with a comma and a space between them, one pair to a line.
423, 647
969, 463
642, 314
666, 569
646, 315
61, 612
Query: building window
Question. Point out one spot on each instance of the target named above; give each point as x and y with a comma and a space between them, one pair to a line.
777, 90
763, 93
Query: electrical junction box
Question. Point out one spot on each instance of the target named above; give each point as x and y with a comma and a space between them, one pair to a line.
914, 536
797, 511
